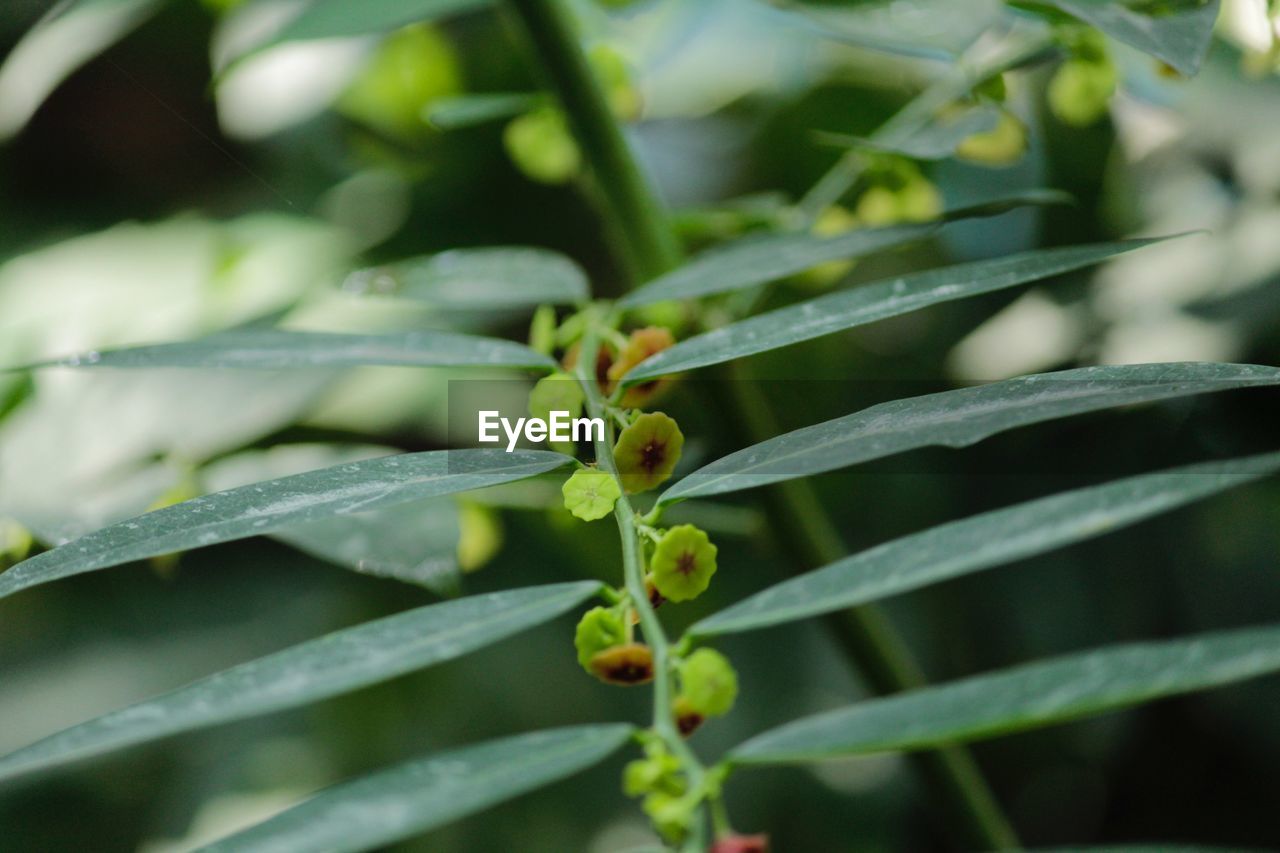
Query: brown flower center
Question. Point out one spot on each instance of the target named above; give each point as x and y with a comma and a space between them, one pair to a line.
686, 563
652, 454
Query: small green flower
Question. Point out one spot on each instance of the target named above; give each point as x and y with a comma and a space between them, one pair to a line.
558, 392
540, 145
1081, 90
1003, 145
590, 494
708, 683
599, 629
647, 451
683, 563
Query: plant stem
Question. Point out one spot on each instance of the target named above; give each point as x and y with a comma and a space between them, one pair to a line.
646, 243
804, 527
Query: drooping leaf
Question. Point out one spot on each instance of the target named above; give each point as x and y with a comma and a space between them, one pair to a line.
1175, 31
275, 349
983, 542
489, 278
321, 19
1024, 697
868, 303
329, 666
266, 507
468, 110
757, 260
420, 795
960, 418
67, 37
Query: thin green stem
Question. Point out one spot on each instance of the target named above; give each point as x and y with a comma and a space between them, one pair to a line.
647, 245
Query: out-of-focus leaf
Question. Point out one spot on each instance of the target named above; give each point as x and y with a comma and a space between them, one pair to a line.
468, 110
935, 141
1024, 697
960, 418
414, 542
266, 507
1175, 31
274, 349
71, 34
755, 260
321, 19
498, 277
983, 542
937, 29
420, 795
329, 666
868, 303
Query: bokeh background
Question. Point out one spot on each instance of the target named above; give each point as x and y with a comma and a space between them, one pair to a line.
148, 199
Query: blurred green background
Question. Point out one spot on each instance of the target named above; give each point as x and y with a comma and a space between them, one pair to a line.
143, 202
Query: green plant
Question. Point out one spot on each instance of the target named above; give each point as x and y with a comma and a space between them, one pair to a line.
638, 452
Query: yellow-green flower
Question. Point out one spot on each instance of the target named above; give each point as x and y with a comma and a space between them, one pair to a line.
626, 665
1081, 90
658, 771
558, 392
683, 563
708, 683
640, 345
1003, 145
647, 452
540, 145
599, 629
590, 494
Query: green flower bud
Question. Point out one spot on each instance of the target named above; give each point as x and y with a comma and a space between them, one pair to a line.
658, 772
412, 67
671, 815
599, 629
1003, 145
1081, 90
919, 201
683, 563
559, 392
708, 682
540, 145
877, 207
590, 494
479, 535
647, 452
542, 330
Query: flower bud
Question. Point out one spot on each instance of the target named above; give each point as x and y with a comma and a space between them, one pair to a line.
708, 683
647, 452
1081, 90
540, 145
642, 344
741, 844
599, 629
671, 815
683, 563
590, 494
1003, 145
688, 720
659, 771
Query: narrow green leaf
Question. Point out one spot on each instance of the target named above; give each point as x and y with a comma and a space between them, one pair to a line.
265, 507
322, 19
469, 110
1178, 34
329, 666
983, 542
937, 140
868, 303
1024, 697
960, 418
490, 278
756, 260
417, 796
275, 349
